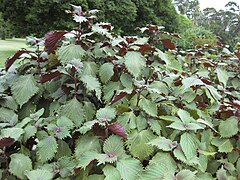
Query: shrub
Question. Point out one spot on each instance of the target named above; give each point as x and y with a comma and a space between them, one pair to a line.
94, 105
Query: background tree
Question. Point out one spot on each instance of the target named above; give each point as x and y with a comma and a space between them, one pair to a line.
125, 15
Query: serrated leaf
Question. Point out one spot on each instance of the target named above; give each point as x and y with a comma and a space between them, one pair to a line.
111, 173
66, 165
134, 62
188, 145
67, 53
126, 80
229, 127
178, 125
113, 146
91, 109
14, 133
161, 164
106, 72
129, 168
86, 158
92, 84
178, 153
137, 144
73, 109
60, 132
148, 106
8, 116
65, 122
185, 116
51, 40
106, 114
222, 174
191, 81
19, 164
29, 131
39, 174
223, 76
47, 148
224, 145
85, 144
186, 174
163, 143
9, 102
90, 68
63, 150
24, 88
118, 129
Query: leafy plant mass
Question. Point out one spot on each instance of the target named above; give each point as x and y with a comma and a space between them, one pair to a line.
95, 105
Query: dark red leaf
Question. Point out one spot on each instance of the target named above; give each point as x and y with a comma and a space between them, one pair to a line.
206, 81
119, 97
146, 48
6, 142
237, 54
152, 27
84, 45
48, 77
131, 39
51, 40
11, 60
168, 44
118, 129
234, 104
122, 51
199, 54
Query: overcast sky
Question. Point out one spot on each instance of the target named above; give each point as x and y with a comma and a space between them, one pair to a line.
217, 4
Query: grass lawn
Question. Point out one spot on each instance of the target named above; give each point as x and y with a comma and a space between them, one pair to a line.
9, 47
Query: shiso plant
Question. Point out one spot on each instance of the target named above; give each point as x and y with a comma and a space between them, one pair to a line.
94, 105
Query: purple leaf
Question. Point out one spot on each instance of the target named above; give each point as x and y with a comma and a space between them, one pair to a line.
48, 77
118, 129
51, 40
168, 44
5, 142
11, 60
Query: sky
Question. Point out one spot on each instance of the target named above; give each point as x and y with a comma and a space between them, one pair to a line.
217, 4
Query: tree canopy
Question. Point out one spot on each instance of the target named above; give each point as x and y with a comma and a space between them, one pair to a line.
125, 15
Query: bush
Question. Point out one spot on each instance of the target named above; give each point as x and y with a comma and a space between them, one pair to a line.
94, 105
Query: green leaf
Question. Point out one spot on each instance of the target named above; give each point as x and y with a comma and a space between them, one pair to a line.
185, 116
39, 174
70, 52
178, 153
60, 132
229, 127
91, 109
24, 88
65, 122
158, 87
111, 173
86, 158
19, 164
178, 125
224, 145
160, 165
92, 84
106, 114
9, 102
109, 90
134, 62
29, 131
14, 133
137, 144
63, 149
186, 174
154, 126
191, 81
90, 68
163, 143
188, 145
148, 106
8, 116
222, 174
129, 169
85, 144
113, 146
73, 109
126, 80
47, 148
106, 72
66, 165
223, 76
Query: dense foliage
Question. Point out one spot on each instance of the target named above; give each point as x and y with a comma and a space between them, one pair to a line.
95, 105
124, 15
